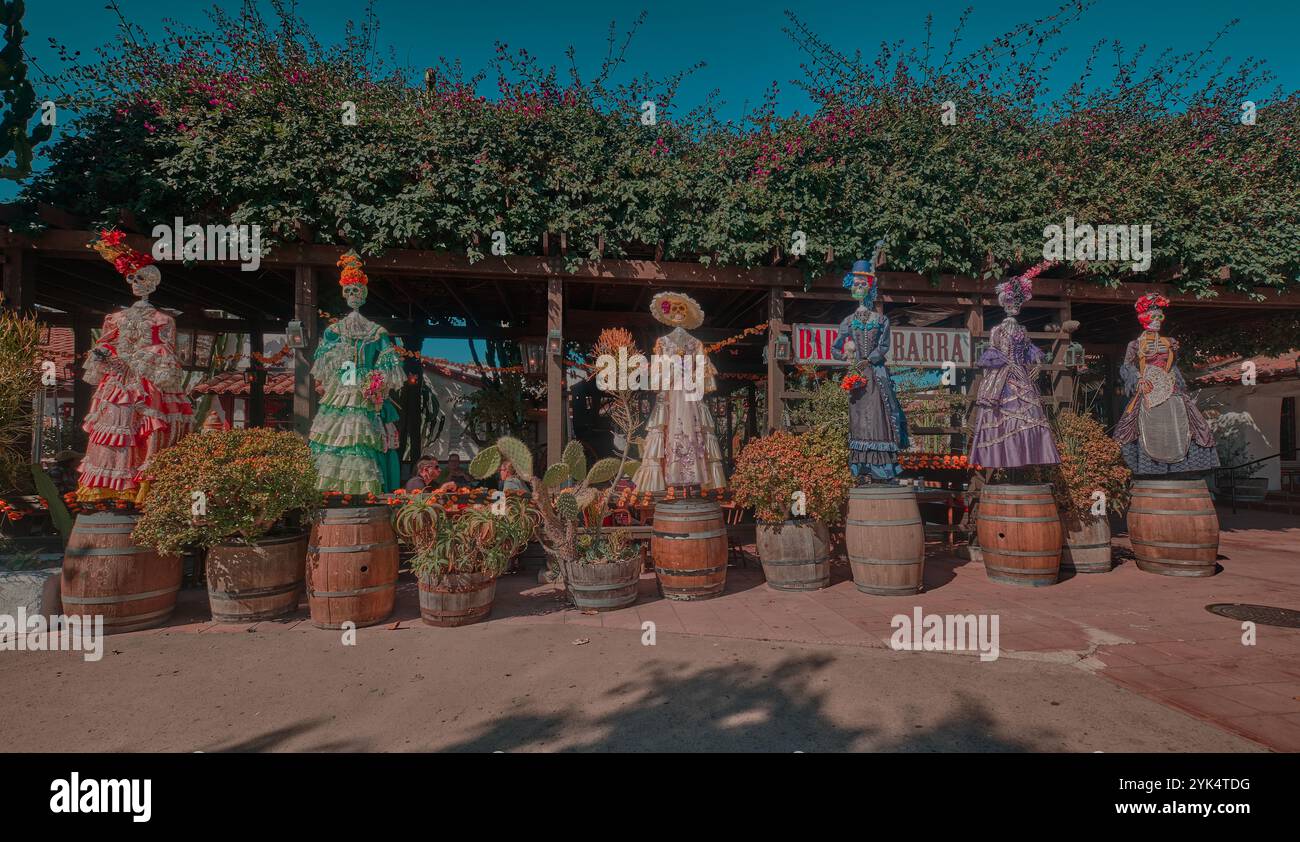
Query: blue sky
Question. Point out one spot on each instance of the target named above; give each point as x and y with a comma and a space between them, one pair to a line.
741, 41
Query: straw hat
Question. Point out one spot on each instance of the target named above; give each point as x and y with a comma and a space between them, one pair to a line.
666, 302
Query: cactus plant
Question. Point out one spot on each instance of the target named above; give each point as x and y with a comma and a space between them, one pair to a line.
556, 475
603, 471
517, 453
485, 463
576, 459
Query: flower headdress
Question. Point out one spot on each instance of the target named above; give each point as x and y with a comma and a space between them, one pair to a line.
112, 246
1147, 303
1016, 291
662, 304
352, 272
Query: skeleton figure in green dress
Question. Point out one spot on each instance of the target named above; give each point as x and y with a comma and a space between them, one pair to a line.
354, 436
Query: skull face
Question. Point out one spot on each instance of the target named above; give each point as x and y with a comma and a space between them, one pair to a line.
1010, 302
144, 281
675, 312
354, 295
863, 283
1155, 318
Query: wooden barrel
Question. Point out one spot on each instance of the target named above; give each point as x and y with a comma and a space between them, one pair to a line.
689, 545
1087, 545
1019, 529
458, 599
1173, 527
106, 573
256, 582
351, 567
604, 587
795, 554
884, 539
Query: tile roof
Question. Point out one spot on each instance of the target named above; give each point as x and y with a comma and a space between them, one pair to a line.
1282, 367
233, 383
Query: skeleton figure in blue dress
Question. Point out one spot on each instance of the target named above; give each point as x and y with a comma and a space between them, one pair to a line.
877, 428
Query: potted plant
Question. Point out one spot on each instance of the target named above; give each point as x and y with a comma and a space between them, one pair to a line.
459, 552
1090, 481
598, 566
241, 496
1236, 476
796, 485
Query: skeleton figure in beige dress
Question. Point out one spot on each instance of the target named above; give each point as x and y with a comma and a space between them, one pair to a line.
681, 448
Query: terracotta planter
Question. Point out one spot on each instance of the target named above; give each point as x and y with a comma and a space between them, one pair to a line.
795, 554
1087, 544
458, 599
604, 587
248, 582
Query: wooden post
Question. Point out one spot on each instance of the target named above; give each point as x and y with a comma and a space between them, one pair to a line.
751, 412
411, 423
727, 449
19, 279
81, 390
256, 389
1063, 381
555, 403
974, 324
775, 375
305, 399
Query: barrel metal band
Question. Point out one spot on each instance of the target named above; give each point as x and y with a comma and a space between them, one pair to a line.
1020, 553
857, 559
681, 536
907, 522
257, 593
104, 551
607, 586
1171, 511
681, 571
358, 548
1023, 571
106, 530
126, 597
996, 519
357, 592
1173, 545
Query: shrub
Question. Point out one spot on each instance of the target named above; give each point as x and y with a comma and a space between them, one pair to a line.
1090, 461
770, 470
474, 540
249, 479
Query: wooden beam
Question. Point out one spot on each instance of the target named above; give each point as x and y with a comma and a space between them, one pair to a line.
775, 376
305, 399
257, 389
19, 279
82, 391
556, 414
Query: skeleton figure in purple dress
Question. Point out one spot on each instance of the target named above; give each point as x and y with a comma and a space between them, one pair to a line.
1010, 427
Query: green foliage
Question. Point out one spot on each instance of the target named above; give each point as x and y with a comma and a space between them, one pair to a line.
630, 469
239, 121
556, 475
476, 540
485, 463
566, 503
59, 514
19, 97
249, 480
576, 458
603, 471
20, 378
517, 453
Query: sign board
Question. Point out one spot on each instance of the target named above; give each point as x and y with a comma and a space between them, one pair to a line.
914, 347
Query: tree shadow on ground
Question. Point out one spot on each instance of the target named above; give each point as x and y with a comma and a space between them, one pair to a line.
740, 707
277, 739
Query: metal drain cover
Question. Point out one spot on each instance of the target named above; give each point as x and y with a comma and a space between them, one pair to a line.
1264, 614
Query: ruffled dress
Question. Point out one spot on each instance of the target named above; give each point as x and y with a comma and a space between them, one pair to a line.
1161, 430
354, 437
877, 427
1010, 427
681, 447
138, 408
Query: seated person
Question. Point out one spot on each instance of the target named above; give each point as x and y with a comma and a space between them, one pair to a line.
426, 471
511, 481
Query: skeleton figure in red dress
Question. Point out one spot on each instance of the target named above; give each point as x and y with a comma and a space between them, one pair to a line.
139, 406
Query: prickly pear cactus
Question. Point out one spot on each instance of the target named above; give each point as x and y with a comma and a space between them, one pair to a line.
556, 475
517, 453
485, 463
602, 471
567, 505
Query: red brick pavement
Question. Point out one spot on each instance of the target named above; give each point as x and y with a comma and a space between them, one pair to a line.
1147, 633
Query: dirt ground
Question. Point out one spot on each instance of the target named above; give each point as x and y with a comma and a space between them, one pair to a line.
501, 687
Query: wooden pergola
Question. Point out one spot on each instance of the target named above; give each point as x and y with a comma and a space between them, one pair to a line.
426, 294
